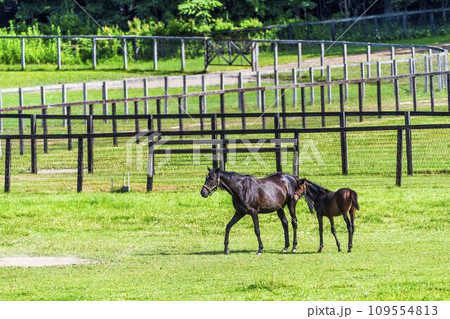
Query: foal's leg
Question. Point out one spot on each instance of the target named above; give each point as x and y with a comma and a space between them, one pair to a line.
352, 222
285, 224
350, 231
333, 231
320, 219
236, 217
257, 232
294, 224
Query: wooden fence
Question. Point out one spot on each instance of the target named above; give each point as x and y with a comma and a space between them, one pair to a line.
219, 140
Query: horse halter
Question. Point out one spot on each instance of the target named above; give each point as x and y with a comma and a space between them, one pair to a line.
214, 188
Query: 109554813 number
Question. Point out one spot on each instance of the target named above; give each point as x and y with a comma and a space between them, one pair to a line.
403, 310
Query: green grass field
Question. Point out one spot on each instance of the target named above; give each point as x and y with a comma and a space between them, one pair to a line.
168, 244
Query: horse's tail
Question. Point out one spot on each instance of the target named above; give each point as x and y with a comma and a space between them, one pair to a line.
354, 197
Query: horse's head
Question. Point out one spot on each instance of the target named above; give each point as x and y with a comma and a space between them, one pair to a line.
300, 188
212, 182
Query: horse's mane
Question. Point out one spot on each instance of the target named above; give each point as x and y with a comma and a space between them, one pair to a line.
316, 188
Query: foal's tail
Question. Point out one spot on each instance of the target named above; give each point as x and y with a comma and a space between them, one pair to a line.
354, 196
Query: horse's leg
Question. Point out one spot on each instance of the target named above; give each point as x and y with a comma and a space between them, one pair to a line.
333, 231
236, 217
294, 224
285, 224
257, 232
350, 231
352, 222
320, 219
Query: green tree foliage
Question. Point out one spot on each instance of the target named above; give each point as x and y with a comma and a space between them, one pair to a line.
184, 17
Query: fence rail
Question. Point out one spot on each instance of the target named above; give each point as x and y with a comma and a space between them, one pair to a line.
219, 142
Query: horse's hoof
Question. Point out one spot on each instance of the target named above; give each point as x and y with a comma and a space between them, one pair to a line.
284, 251
259, 253
349, 251
226, 251
339, 250
294, 250
320, 250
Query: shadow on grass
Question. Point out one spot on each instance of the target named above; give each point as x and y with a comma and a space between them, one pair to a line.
220, 252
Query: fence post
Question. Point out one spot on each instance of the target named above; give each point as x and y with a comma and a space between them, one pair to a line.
303, 103
64, 100
44, 119
200, 111
114, 123
409, 161
125, 96
369, 61
242, 102
263, 107
322, 104
276, 121
22, 52
8, 165
80, 165
411, 71
294, 87
155, 55
136, 120
311, 80
448, 91
33, 145
166, 93
378, 69
439, 69
105, 97
183, 57
94, 53
185, 91
150, 154
363, 86
414, 92
344, 151
396, 90
21, 122
283, 107
158, 112
425, 66
341, 97
240, 86
392, 60
398, 175
360, 100
322, 59
222, 108
90, 146
215, 162
277, 95
275, 56
85, 98
204, 90
296, 155
125, 53
69, 128
345, 59
258, 93
180, 115
379, 101
1, 106
58, 52
299, 56
329, 85
431, 93
145, 86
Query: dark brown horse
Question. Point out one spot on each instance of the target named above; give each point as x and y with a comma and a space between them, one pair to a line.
330, 204
253, 196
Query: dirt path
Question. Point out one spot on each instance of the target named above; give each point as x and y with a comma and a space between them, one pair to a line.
28, 261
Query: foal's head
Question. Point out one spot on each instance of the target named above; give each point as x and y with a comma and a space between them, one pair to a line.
212, 182
300, 188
